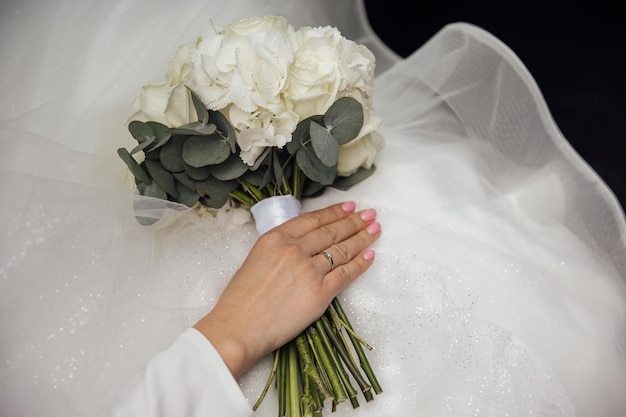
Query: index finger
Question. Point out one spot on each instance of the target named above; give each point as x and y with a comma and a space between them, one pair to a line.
306, 222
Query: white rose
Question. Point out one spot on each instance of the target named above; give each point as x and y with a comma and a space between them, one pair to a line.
361, 151
316, 76
169, 102
328, 66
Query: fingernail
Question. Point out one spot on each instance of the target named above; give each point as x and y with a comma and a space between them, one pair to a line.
373, 228
369, 254
367, 215
348, 206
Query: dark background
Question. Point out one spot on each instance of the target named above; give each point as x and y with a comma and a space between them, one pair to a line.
576, 52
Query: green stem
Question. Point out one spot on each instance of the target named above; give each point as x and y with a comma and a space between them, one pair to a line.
242, 198
336, 361
365, 365
253, 191
268, 384
306, 398
342, 353
281, 378
338, 327
347, 328
296, 186
308, 366
285, 188
318, 361
326, 360
318, 403
293, 382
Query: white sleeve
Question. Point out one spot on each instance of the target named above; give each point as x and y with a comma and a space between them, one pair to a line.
188, 379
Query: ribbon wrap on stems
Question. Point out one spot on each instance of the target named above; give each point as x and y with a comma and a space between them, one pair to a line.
274, 211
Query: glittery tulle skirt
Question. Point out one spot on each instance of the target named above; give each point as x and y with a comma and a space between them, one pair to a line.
499, 283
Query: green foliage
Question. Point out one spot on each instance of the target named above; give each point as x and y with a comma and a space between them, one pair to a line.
199, 161
344, 183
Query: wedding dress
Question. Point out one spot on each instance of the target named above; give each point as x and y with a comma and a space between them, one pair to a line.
499, 283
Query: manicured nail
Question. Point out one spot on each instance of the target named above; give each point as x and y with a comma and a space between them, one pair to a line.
369, 254
348, 206
373, 228
367, 215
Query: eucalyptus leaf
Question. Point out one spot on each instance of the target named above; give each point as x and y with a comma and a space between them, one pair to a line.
161, 133
313, 168
142, 145
199, 151
153, 154
301, 135
201, 111
151, 190
140, 131
312, 189
254, 177
197, 174
344, 119
186, 196
162, 177
183, 178
171, 155
194, 129
134, 167
261, 159
288, 169
345, 183
267, 175
214, 193
324, 144
224, 126
216, 202
232, 168
277, 167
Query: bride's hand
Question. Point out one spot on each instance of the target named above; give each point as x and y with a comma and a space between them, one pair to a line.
286, 283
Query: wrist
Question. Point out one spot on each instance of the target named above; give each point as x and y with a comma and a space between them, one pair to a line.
228, 343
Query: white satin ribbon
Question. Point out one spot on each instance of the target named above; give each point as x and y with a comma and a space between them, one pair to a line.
274, 211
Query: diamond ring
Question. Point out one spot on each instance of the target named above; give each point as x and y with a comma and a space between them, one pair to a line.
329, 256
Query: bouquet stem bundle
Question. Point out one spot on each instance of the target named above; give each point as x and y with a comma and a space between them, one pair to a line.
319, 365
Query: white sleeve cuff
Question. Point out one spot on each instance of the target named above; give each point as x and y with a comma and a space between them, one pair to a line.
187, 379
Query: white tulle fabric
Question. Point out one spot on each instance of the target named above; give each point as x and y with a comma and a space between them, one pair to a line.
499, 283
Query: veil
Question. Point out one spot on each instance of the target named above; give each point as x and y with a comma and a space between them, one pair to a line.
499, 284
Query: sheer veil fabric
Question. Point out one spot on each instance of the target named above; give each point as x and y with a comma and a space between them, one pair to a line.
499, 285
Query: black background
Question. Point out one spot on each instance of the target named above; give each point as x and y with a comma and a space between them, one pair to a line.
576, 53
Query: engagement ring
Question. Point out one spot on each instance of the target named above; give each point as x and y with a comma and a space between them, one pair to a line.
330, 259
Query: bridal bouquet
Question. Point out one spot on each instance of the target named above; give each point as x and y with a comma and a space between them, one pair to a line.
257, 110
